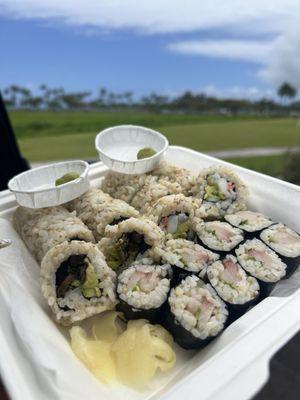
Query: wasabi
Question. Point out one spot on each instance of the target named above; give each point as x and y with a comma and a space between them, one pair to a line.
70, 176
146, 152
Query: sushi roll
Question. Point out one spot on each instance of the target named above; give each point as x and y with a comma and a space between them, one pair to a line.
153, 190
221, 191
176, 174
186, 257
261, 262
42, 229
76, 281
142, 290
286, 243
252, 223
174, 214
234, 286
97, 210
219, 236
194, 314
125, 242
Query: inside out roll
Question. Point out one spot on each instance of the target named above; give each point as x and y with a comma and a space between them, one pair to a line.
97, 210
128, 240
42, 229
221, 191
76, 281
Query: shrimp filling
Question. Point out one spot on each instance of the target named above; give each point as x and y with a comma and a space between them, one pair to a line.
144, 286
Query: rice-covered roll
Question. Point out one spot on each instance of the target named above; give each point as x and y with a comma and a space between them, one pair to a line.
129, 239
76, 281
221, 190
174, 214
153, 190
252, 223
262, 263
143, 289
176, 174
41, 229
97, 210
219, 236
123, 186
286, 243
235, 287
186, 257
194, 314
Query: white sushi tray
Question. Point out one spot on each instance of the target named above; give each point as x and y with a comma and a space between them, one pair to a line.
36, 362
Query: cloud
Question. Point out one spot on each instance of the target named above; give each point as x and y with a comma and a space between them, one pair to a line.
238, 92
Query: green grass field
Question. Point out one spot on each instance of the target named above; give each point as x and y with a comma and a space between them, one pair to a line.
45, 136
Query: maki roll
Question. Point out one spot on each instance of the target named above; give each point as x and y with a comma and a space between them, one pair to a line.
131, 239
286, 243
153, 190
221, 191
143, 289
194, 313
235, 287
44, 228
97, 210
219, 236
186, 257
262, 263
76, 282
252, 223
174, 214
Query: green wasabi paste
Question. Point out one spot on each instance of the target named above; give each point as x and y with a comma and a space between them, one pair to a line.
70, 176
146, 152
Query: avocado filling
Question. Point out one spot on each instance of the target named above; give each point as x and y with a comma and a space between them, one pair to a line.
77, 272
126, 250
178, 225
70, 176
218, 188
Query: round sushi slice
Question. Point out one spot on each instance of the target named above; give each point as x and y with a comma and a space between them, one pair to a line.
194, 314
174, 215
153, 190
42, 229
97, 210
131, 239
186, 257
252, 223
143, 289
76, 282
219, 236
286, 243
221, 191
235, 287
262, 263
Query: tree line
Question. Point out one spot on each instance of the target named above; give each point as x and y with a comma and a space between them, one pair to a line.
47, 98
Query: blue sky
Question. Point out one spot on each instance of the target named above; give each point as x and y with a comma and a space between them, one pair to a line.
71, 47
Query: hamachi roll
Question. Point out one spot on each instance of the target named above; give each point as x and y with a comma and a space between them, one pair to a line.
175, 214
153, 190
186, 257
76, 281
252, 223
97, 210
194, 314
129, 239
143, 289
42, 229
234, 286
286, 243
219, 236
221, 191
262, 263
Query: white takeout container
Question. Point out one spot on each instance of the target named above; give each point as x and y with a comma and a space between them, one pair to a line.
118, 147
36, 188
36, 360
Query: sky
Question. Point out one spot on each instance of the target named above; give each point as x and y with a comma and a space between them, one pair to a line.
232, 48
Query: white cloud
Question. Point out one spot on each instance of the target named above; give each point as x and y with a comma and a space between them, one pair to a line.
238, 92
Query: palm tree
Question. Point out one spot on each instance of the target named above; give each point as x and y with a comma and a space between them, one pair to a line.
286, 91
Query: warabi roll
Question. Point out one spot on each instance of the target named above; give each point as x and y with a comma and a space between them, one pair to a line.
251, 223
286, 243
194, 314
76, 281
